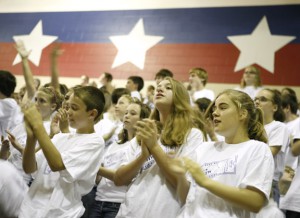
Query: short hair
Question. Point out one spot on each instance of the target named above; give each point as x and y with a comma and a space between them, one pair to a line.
138, 81
117, 93
291, 101
92, 97
163, 73
7, 83
108, 76
201, 73
203, 104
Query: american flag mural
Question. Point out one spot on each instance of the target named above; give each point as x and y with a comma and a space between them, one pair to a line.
140, 41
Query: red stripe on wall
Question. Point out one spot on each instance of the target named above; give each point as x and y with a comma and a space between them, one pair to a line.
218, 59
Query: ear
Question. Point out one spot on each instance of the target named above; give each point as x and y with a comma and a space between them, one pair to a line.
53, 106
243, 114
93, 114
275, 107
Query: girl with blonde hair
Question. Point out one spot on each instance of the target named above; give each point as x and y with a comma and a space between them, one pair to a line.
153, 191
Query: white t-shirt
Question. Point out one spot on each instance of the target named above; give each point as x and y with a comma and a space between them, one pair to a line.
115, 156
58, 194
250, 90
150, 195
12, 190
136, 94
291, 200
204, 93
10, 115
16, 157
271, 210
105, 126
294, 130
278, 135
239, 165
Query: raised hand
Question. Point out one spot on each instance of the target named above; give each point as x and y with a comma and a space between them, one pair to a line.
32, 116
63, 120
146, 131
20, 47
14, 142
57, 51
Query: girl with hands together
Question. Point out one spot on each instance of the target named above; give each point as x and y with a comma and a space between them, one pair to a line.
153, 192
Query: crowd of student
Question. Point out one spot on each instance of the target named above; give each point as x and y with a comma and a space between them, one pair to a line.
179, 151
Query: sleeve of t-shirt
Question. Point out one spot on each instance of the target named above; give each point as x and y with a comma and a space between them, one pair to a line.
82, 161
279, 137
260, 170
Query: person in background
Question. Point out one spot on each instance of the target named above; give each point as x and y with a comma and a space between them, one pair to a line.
135, 84
84, 80
148, 100
269, 101
162, 74
251, 81
10, 113
106, 82
290, 201
198, 79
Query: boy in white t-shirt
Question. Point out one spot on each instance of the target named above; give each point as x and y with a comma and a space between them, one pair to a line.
66, 167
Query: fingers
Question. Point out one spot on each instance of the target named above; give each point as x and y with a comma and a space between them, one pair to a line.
10, 135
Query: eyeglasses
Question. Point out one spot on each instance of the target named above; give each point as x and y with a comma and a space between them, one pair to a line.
250, 72
262, 99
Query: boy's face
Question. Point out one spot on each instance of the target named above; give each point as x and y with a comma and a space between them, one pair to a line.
131, 86
194, 79
79, 117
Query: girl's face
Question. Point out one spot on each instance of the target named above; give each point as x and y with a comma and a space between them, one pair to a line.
263, 100
164, 94
121, 107
44, 105
249, 77
226, 118
79, 117
132, 115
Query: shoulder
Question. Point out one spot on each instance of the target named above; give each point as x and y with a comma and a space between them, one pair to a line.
8, 103
194, 133
8, 172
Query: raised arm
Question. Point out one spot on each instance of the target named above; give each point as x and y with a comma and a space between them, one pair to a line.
29, 80
54, 69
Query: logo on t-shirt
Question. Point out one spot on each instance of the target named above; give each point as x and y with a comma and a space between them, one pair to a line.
216, 168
